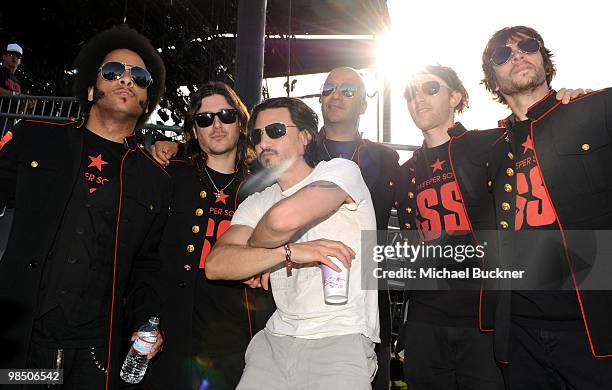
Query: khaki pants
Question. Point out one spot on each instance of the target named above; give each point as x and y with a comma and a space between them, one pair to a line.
337, 362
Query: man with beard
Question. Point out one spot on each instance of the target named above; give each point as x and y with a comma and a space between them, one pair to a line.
307, 342
90, 205
343, 101
555, 181
209, 322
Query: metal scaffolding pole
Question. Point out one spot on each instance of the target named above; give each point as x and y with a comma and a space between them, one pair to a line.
250, 50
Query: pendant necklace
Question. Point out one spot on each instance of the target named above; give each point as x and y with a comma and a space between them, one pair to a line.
340, 155
219, 194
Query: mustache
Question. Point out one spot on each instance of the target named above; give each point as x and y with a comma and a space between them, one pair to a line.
270, 150
100, 95
521, 64
218, 132
266, 177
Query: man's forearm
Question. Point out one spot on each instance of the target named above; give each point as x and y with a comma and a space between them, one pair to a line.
266, 234
307, 206
239, 262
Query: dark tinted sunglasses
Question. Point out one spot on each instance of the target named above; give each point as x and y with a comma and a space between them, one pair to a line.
205, 119
114, 70
346, 89
430, 88
273, 130
502, 54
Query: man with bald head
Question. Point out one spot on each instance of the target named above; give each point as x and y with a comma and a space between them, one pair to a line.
343, 101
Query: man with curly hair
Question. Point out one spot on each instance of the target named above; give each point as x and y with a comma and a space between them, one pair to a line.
553, 210
90, 205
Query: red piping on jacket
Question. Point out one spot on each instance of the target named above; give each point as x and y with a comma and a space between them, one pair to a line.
246, 297
248, 307
541, 100
236, 194
504, 135
567, 256
112, 309
450, 158
362, 143
51, 123
155, 161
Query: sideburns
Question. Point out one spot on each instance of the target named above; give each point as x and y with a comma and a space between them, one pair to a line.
143, 104
97, 95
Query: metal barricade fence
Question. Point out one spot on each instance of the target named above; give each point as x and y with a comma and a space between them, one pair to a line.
56, 108
13, 108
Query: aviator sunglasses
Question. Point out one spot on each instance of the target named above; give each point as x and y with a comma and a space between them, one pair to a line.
430, 88
502, 54
273, 130
205, 119
346, 89
114, 70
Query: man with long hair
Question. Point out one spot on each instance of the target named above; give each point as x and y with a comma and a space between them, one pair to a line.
90, 205
209, 322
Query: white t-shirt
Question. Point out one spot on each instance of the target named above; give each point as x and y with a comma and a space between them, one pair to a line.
301, 309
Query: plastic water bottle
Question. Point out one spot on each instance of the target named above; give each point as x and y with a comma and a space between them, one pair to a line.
136, 362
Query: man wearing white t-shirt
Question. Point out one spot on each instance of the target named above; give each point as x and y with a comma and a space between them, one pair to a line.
310, 214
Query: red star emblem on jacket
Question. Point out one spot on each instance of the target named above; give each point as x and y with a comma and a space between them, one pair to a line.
528, 144
437, 165
96, 162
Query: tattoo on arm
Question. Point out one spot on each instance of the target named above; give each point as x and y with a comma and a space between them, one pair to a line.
328, 185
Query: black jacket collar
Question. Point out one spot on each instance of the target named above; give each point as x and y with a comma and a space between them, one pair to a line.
456, 130
536, 110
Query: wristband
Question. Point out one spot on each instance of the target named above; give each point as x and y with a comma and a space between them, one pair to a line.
287, 259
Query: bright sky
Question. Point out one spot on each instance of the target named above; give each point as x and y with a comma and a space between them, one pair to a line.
454, 33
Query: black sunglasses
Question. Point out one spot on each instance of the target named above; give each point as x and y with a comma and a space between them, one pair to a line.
502, 54
273, 130
430, 88
205, 119
114, 70
346, 89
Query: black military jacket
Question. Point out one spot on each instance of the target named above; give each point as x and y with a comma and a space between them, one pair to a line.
573, 148
470, 155
38, 171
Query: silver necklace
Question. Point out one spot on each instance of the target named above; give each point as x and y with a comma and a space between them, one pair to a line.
330, 157
219, 192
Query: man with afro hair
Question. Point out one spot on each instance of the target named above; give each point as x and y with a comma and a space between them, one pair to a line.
90, 204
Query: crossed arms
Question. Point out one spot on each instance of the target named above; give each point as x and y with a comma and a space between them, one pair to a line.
242, 251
